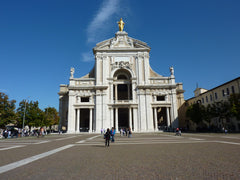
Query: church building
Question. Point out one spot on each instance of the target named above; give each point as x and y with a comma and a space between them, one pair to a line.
121, 91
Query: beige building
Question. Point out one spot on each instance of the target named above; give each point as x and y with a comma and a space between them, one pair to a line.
208, 97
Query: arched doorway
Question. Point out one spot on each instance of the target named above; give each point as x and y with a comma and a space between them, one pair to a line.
122, 85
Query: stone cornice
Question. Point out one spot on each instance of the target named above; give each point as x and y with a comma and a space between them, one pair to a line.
152, 86
86, 106
163, 104
62, 93
180, 91
121, 50
92, 87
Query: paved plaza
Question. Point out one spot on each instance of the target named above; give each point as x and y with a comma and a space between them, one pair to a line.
144, 156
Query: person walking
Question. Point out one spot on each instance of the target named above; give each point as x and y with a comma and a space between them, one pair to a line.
107, 137
112, 132
129, 133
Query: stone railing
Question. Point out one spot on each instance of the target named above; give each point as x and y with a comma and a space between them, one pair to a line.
80, 82
159, 80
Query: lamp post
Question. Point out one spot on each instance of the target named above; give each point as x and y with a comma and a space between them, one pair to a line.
24, 116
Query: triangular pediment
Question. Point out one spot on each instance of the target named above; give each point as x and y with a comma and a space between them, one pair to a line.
120, 42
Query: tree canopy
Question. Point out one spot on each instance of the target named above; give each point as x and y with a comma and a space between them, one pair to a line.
34, 116
7, 110
222, 110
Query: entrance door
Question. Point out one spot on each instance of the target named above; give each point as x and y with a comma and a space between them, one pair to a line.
84, 120
123, 118
162, 118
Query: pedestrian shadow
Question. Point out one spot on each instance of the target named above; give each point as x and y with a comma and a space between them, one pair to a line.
99, 146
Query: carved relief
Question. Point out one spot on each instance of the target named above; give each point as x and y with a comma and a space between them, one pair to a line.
121, 65
121, 40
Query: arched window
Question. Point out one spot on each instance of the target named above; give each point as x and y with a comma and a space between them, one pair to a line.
122, 87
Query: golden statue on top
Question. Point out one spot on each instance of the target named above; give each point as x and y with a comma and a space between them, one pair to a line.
121, 25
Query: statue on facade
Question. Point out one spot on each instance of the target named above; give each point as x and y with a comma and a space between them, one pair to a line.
72, 72
172, 71
121, 25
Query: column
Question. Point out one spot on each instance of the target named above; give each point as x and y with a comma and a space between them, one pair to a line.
139, 70
175, 122
134, 93
130, 118
168, 119
155, 119
135, 119
60, 112
71, 114
98, 111
111, 92
116, 92
90, 120
116, 118
111, 118
77, 129
97, 70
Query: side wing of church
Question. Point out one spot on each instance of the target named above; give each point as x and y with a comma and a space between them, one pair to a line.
121, 91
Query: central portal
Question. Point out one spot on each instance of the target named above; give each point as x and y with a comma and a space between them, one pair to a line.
123, 118
84, 120
162, 118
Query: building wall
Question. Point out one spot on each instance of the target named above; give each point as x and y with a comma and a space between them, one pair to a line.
208, 97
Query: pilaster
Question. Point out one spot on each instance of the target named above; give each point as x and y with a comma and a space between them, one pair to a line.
71, 113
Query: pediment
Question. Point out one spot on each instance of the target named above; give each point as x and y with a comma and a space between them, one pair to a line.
121, 41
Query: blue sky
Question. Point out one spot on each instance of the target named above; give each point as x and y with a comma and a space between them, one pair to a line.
41, 40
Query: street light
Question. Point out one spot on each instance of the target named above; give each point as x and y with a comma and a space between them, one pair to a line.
24, 116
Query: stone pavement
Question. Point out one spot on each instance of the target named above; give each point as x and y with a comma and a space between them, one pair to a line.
144, 156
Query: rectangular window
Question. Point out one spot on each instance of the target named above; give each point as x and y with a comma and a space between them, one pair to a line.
84, 99
203, 100
223, 93
206, 99
233, 91
216, 96
210, 97
160, 98
227, 91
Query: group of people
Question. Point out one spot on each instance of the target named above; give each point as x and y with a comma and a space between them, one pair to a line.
8, 133
18, 132
109, 135
126, 131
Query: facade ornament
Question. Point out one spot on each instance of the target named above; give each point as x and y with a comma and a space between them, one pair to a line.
72, 72
121, 65
172, 71
121, 25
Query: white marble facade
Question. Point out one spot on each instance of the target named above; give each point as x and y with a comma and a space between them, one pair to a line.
121, 91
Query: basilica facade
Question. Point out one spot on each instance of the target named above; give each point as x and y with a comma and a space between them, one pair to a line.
121, 91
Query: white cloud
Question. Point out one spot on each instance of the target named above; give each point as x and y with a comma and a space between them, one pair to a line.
98, 25
107, 9
87, 57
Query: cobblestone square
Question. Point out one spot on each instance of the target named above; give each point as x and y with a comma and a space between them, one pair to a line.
144, 156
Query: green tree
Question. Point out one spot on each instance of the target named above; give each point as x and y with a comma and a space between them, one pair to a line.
208, 114
221, 110
51, 116
235, 105
34, 116
7, 110
196, 112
